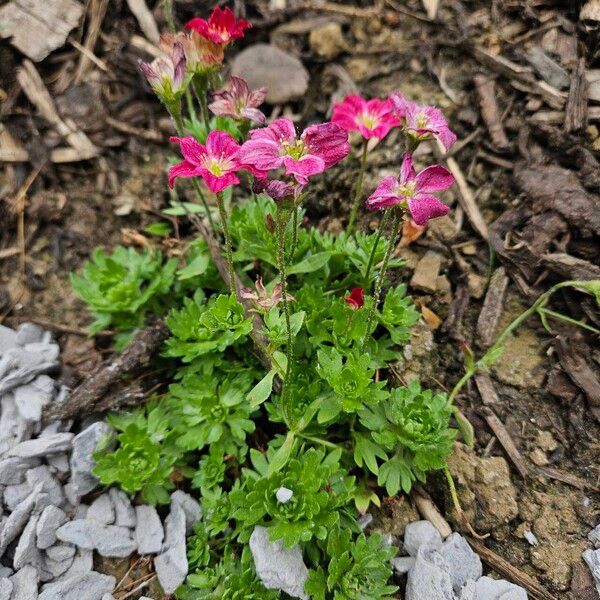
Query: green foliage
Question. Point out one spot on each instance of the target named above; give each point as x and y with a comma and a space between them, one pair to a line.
145, 455
201, 329
120, 289
357, 569
320, 491
413, 429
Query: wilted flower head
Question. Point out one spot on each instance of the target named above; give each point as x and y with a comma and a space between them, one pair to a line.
216, 162
261, 297
422, 122
238, 101
221, 27
414, 189
355, 299
166, 75
317, 149
372, 118
201, 54
276, 189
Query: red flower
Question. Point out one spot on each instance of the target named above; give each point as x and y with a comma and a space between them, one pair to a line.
221, 27
355, 299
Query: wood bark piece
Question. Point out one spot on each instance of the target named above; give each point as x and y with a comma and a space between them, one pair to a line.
490, 113
429, 511
577, 103
145, 19
85, 397
504, 568
492, 308
81, 146
571, 267
96, 11
489, 397
37, 27
10, 149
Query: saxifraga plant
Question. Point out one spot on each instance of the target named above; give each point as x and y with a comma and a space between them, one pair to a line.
300, 447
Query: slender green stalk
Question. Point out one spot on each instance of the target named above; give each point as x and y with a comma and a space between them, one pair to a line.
174, 109
381, 277
169, 15
358, 190
202, 197
200, 85
384, 220
228, 248
190, 103
294, 235
491, 354
281, 222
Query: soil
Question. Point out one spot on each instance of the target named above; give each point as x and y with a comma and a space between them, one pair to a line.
550, 416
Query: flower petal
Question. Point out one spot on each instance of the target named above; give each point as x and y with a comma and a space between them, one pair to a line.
385, 195
327, 141
407, 171
261, 153
183, 169
279, 131
221, 144
434, 179
218, 184
191, 149
425, 207
304, 168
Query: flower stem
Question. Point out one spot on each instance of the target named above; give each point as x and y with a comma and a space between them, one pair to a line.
294, 235
169, 16
228, 249
281, 222
200, 86
381, 277
358, 190
384, 220
202, 197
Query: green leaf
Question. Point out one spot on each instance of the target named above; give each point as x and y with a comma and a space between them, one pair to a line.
198, 266
282, 455
262, 390
464, 427
311, 264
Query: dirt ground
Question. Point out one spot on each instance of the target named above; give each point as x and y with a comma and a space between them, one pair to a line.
520, 83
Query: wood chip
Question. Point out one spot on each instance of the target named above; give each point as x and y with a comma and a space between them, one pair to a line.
10, 149
577, 103
576, 366
491, 311
427, 271
485, 88
81, 146
37, 27
568, 478
429, 511
96, 12
145, 19
549, 70
571, 267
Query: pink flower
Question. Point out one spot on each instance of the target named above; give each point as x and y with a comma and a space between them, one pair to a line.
415, 190
166, 76
372, 118
421, 122
221, 27
216, 162
238, 101
262, 298
276, 189
317, 149
355, 299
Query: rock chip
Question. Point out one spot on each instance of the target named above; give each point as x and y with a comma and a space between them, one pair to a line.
430, 577
592, 558
403, 564
594, 536
190, 507
25, 583
15, 494
278, 568
172, 565
17, 519
102, 510
50, 484
8, 339
108, 540
6, 588
50, 520
27, 552
82, 461
464, 563
124, 512
419, 533
31, 333
149, 532
58, 442
327, 40
264, 64
428, 268
91, 586
58, 559
82, 564
32, 397
12, 470
487, 588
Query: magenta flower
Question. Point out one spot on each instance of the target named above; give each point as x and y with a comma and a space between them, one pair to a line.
166, 75
221, 27
422, 122
317, 149
355, 299
372, 118
415, 190
238, 101
216, 162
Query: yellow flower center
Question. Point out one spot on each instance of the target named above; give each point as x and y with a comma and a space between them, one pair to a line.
295, 149
369, 120
407, 190
422, 121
